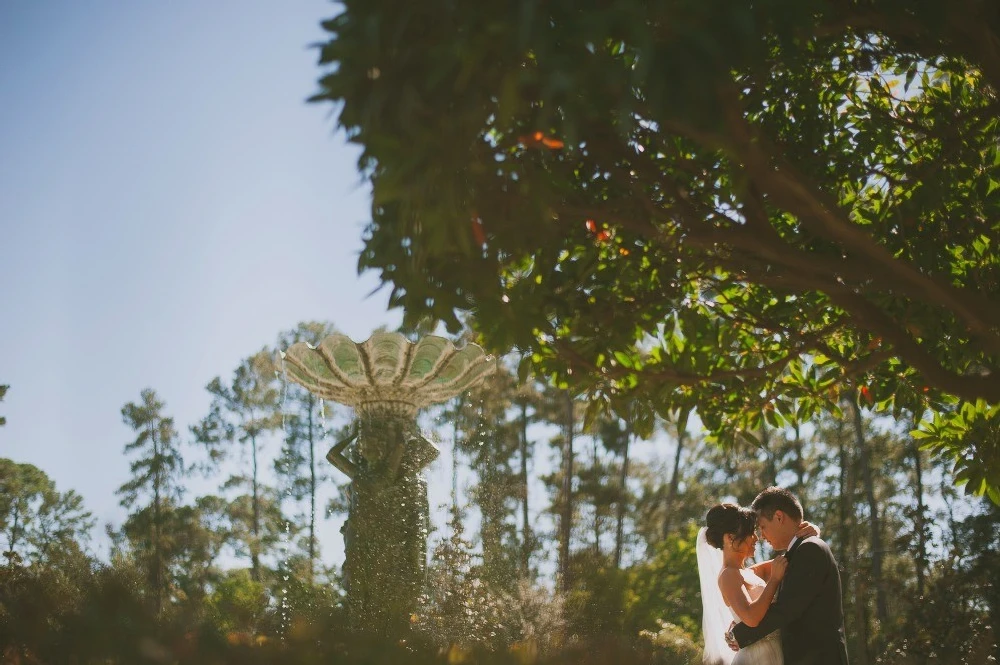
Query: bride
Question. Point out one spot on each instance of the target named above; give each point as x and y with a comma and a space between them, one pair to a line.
732, 591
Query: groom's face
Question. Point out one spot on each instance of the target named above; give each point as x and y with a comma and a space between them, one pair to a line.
774, 529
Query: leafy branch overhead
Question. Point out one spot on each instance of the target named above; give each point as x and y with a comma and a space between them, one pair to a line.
751, 209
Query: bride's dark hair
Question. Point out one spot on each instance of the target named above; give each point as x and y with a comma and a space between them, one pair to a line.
728, 519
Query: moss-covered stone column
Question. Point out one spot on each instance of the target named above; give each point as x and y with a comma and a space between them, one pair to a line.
385, 536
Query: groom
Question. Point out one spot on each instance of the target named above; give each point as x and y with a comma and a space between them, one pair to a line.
808, 608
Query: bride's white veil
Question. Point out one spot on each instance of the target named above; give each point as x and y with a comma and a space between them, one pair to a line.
716, 616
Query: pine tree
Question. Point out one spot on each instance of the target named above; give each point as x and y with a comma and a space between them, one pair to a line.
22, 486
526, 399
675, 475
919, 515
597, 493
567, 490
874, 517
981, 532
62, 523
35, 517
618, 440
3, 393
244, 412
154, 485
558, 407
198, 533
299, 466
490, 440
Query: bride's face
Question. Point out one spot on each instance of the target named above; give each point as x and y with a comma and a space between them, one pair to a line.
745, 547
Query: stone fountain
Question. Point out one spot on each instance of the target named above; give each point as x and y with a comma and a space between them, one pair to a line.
387, 380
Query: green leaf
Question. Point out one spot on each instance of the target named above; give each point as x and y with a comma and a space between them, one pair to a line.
595, 408
524, 368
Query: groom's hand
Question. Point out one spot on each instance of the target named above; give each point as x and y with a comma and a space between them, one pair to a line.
731, 639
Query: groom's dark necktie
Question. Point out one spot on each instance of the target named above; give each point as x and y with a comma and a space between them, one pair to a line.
787, 554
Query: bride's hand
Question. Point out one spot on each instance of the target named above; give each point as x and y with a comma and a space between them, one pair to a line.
807, 530
778, 567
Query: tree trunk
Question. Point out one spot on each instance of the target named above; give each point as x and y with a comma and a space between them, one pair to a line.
13, 535
946, 493
994, 593
800, 463
675, 480
846, 512
860, 612
597, 508
921, 559
255, 527
858, 588
157, 544
992, 588
565, 522
770, 465
526, 538
622, 498
881, 603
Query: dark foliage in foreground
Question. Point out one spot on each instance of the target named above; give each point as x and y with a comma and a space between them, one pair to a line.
82, 613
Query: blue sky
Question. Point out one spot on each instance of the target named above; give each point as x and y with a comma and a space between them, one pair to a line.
168, 204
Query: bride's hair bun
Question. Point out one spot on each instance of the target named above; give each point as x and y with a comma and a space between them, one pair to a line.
728, 519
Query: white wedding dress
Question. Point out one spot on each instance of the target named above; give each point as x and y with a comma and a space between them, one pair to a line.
717, 615
768, 650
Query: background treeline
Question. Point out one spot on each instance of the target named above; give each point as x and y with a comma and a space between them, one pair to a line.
568, 537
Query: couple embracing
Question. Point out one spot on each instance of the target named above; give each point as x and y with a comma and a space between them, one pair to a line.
786, 611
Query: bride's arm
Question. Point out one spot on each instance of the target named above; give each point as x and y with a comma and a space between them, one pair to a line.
763, 569
738, 598
807, 530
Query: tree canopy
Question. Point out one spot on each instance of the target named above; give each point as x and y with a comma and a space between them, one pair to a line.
754, 209
36, 519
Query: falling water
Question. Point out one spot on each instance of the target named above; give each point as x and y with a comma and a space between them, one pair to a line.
323, 433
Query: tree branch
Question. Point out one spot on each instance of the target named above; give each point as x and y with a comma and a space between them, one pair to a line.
792, 191
873, 319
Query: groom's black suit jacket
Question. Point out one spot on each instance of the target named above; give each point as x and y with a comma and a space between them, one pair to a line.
808, 609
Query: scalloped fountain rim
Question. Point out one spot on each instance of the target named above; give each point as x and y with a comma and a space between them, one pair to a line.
387, 370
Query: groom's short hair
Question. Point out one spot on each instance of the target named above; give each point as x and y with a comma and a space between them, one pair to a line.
777, 498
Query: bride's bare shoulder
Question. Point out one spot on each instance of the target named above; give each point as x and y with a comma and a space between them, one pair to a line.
730, 575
